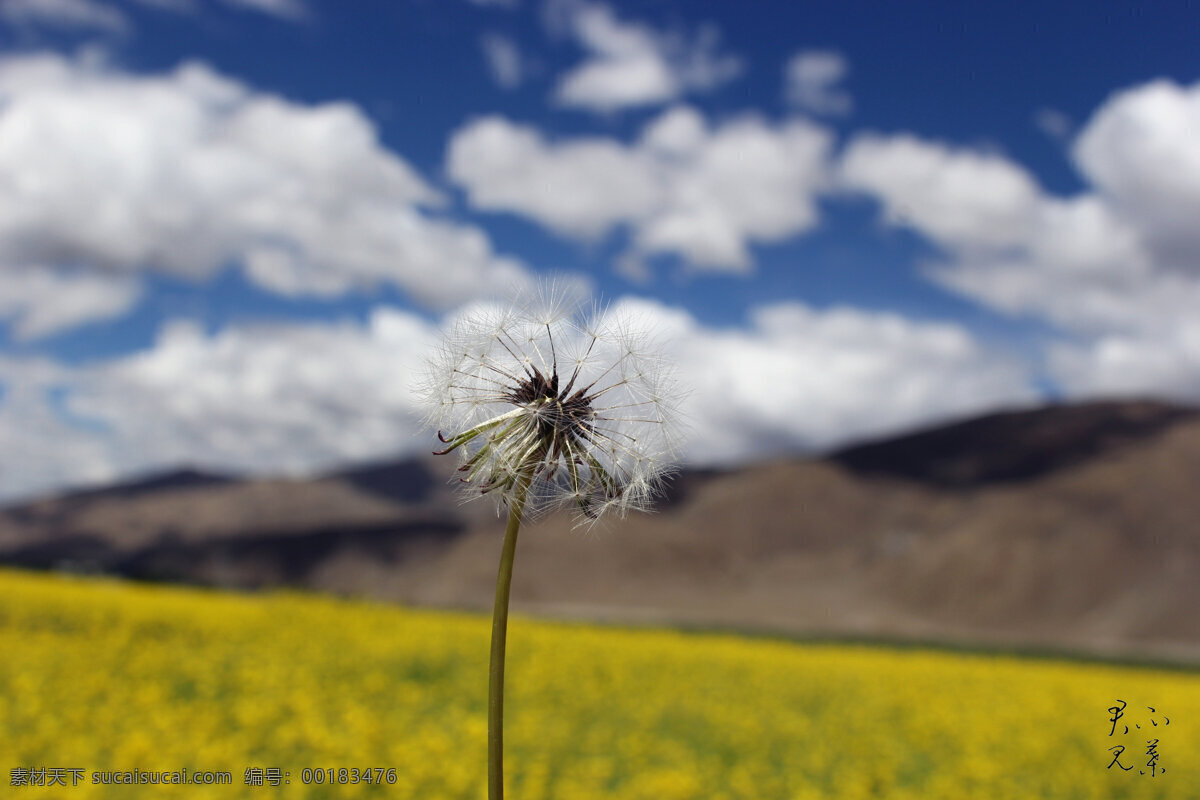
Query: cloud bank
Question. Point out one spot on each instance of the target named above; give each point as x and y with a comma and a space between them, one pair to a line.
1116, 268
703, 193
302, 397
188, 172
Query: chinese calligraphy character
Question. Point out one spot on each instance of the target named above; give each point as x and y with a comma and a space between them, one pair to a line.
1117, 712
1152, 761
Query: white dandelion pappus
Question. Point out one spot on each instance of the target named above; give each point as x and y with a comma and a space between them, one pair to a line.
583, 403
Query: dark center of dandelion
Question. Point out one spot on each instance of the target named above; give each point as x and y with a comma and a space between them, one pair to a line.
551, 427
560, 417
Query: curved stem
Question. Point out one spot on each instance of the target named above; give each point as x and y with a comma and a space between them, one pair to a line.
499, 637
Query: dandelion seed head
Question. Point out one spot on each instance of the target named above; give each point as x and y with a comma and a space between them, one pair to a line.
581, 400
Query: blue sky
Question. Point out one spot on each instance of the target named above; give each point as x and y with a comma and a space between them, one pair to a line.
231, 230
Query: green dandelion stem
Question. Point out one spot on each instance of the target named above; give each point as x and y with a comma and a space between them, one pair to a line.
500, 635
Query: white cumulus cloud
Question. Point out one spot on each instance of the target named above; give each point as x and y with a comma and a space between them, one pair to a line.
267, 398
43, 452
581, 188
1141, 151
812, 82
282, 397
1054, 123
271, 398
285, 9
1116, 267
802, 379
188, 171
1163, 363
704, 193
40, 301
503, 59
64, 14
630, 64
959, 197
288, 10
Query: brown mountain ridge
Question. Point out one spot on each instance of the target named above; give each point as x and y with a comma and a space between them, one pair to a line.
1071, 527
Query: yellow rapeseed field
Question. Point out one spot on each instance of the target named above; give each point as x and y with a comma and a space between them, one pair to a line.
107, 676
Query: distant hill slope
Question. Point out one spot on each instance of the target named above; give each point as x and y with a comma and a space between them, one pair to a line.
1012, 446
1068, 526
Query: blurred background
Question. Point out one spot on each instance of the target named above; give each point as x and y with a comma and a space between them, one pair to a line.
930, 273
